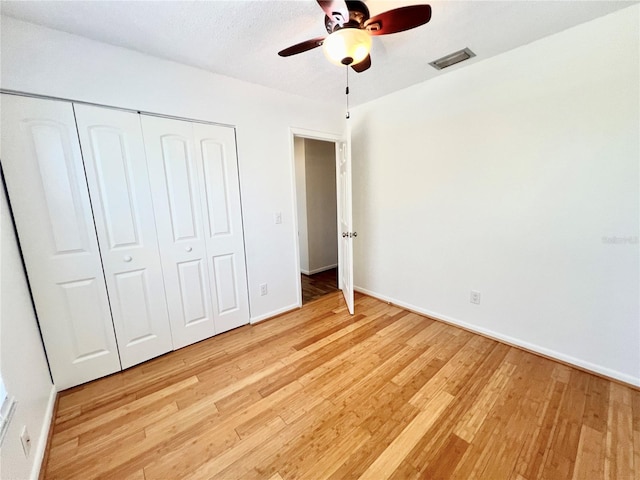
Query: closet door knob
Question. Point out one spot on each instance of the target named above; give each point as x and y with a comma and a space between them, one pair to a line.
188, 249
127, 258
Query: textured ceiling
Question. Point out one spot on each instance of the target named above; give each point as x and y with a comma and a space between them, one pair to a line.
241, 39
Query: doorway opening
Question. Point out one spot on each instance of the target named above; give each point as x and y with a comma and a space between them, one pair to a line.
317, 211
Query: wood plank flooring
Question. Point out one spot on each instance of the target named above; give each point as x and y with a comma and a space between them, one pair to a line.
317, 394
319, 284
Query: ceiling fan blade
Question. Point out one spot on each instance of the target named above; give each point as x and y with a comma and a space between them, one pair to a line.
301, 47
398, 19
363, 65
336, 10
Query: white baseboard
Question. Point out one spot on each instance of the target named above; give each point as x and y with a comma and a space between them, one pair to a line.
41, 447
318, 270
275, 313
583, 364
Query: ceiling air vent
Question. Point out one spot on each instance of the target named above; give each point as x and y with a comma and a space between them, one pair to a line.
452, 59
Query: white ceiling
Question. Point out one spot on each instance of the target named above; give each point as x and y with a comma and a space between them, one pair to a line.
241, 38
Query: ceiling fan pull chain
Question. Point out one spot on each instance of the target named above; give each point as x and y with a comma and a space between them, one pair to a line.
346, 91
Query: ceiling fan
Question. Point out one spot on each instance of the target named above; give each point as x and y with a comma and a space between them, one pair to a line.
350, 28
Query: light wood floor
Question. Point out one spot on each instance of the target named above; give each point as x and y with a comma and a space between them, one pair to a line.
319, 394
318, 285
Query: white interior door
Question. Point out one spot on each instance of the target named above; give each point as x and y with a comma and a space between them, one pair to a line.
218, 171
115, 162
345, 232
46, 183
175, 186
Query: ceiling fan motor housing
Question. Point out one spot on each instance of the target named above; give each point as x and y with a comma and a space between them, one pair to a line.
358, 14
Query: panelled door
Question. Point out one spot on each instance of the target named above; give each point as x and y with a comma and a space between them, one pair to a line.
116, 167
43, 170
175, 184
345, 266
217, 163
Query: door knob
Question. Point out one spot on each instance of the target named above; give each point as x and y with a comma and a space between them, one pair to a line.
127, 258
354, 234
188, 249
345, 234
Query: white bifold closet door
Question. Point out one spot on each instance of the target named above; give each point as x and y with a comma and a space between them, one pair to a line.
218, 166
194, 176
173, 173
116, 167
45, 179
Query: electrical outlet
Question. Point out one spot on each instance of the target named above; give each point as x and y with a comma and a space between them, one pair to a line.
25, 438
263, 289
277, 218
475, 297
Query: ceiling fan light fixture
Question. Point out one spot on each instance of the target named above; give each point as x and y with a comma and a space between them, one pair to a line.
452, 59
347, 46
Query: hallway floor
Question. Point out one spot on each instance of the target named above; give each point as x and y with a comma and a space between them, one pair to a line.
318, 285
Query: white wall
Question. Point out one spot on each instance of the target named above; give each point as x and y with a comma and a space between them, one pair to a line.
22, 361
301, 195
44, 61
511, 177
320, 173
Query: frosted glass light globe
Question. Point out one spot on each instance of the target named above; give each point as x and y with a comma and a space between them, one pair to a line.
347, 46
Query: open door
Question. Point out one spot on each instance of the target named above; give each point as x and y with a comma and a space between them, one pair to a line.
345, 230
344, 219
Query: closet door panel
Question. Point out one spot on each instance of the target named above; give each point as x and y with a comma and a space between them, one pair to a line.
216, 180
218, 167
116, 166
177, 167
224, 269
85, 304
176, 196
114, 171
192, 292
45, 180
